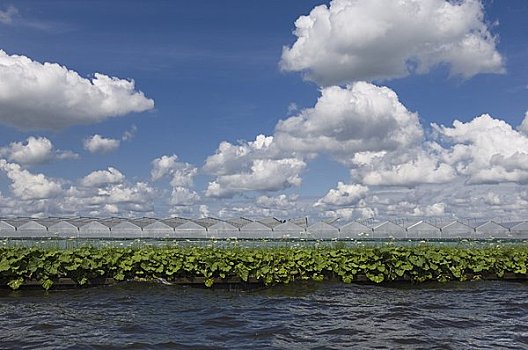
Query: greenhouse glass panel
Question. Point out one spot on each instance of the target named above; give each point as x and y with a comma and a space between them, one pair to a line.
491, 229
94, 229
158, 229
423, 230
63, 229
520, 230
322, 230
125, 229
221, 230
355, 230
288, 230
190, 229
456, 229
7, 230
32, 229
255, 230
388, 229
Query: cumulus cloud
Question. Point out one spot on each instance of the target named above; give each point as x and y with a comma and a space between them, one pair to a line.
102, 177
181, 176
352, 40
252, 166
28, 186
486, 150
523, 128
100, 144
7, 15
281, 201
343, 195
436, 209
359, 118
414, 166
35, 150
263, 175
230, 158
181, 173
61, 97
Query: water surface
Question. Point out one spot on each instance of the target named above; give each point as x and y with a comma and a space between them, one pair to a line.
457, 315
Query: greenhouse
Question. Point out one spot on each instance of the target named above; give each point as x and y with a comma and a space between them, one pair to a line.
457, 230
355, 230
289, 230
422, 230
156, 228
255, 230
520, 230
491, 229
322, 230
388, 229
243, 228
222, 229
190, 229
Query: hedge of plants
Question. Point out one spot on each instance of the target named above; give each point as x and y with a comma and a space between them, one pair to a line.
268, 266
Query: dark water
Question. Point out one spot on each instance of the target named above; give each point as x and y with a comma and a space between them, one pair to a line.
470, 315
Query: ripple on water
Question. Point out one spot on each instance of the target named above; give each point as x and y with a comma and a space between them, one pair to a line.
486, 315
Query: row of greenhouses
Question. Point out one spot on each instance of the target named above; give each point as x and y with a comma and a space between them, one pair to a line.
266, 228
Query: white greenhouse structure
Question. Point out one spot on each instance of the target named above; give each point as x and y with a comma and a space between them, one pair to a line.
243, 228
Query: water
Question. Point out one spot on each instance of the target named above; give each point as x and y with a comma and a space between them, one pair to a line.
483, 315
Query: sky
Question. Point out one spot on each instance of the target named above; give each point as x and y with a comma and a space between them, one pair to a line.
348, 109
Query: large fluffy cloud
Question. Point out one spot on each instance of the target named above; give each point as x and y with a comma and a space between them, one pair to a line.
258, 165
486, 150
263, 175
361, 117
28, 186
343, 195
35, 150
353, 40
103, 177
36, 95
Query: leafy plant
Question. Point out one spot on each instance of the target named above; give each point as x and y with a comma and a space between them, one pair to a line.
269, 266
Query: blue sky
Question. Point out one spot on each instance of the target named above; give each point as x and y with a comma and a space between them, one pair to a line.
219, 71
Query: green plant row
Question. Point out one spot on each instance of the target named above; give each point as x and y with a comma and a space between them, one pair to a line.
268, 266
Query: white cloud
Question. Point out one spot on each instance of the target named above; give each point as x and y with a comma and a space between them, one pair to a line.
263, 175
359, 118
183, 196
181, 175
411, 167
486, 150
36, 150
129, 134
100, 144
354, 40
230, 159
28, 186
61, 97
436, 209
103, 177
204, 211
281, 202
343, 195
523, 128
7, 15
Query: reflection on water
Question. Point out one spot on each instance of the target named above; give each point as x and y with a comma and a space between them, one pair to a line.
303, 316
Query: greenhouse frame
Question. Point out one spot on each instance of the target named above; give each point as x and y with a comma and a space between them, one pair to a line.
244, 228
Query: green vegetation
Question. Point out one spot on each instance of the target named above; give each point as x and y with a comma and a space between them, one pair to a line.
268, 266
